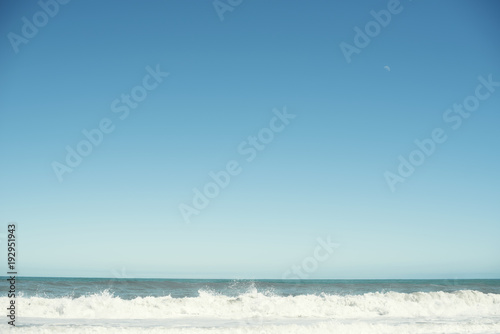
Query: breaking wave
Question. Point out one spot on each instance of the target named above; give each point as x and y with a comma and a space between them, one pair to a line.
105, 305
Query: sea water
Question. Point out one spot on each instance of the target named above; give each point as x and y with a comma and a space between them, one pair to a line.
100, 305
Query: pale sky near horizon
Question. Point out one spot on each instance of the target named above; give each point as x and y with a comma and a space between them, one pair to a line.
320, 171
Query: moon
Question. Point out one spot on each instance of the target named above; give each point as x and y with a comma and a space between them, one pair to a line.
387, 68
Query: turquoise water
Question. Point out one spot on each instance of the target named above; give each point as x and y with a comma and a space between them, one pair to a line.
178, 288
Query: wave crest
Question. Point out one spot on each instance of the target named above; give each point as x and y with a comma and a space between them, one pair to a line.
105, 305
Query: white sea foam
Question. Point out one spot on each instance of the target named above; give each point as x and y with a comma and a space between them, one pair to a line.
252, 304
253, 312
326, 327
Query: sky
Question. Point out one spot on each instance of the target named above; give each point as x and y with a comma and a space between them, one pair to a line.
371, 125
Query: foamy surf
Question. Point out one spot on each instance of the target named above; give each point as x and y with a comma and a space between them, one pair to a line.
254, 312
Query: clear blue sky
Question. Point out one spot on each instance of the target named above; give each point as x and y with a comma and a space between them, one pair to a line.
323, 175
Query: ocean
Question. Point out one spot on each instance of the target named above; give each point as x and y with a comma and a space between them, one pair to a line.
102, 305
